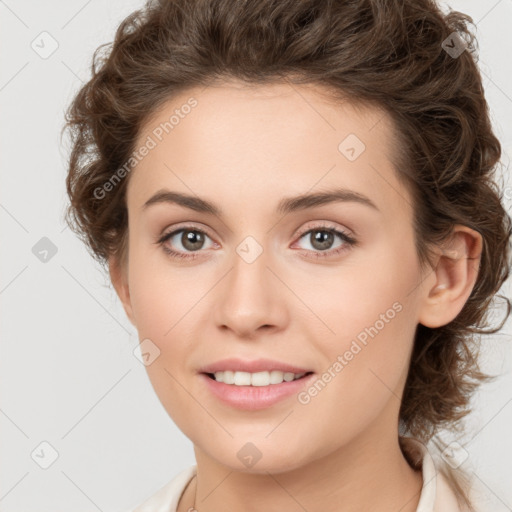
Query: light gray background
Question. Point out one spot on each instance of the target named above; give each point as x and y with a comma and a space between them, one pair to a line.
69, 377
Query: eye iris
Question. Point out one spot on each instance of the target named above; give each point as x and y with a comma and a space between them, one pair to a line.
322, 240
192, 240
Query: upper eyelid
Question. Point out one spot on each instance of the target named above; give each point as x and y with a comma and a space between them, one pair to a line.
173, 231
322, 225
327, 226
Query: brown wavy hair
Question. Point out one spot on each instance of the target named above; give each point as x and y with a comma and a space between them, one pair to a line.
386, 53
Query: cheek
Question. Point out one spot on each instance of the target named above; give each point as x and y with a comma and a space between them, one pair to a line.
164, 306
366, 366
371, 311
355, 295
162, 296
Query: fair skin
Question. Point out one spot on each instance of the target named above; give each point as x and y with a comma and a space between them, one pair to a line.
245, 149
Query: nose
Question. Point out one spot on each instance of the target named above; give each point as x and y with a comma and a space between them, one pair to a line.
251, 299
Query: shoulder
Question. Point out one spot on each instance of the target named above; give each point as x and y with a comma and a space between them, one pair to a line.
167, 497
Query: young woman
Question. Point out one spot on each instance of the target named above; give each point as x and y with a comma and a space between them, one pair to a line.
295, 202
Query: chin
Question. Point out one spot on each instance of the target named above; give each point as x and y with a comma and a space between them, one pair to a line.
253, 458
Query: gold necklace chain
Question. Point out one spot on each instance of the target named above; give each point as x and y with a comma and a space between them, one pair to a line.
195, 493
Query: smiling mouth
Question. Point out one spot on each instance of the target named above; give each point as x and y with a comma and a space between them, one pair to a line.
257, 379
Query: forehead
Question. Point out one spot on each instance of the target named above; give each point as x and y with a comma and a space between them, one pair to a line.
258, 138
292, 110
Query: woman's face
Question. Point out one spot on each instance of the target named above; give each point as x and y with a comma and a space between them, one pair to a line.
267, 279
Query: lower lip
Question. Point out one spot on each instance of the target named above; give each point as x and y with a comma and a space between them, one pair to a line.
254, 398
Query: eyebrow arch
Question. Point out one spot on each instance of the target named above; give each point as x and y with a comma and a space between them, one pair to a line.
285, 206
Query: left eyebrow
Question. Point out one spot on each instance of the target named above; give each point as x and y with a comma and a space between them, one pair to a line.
306, 201
285, 206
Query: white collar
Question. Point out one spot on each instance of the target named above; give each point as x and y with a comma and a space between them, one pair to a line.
436, 494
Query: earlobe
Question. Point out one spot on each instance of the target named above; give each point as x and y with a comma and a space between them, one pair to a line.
119, 278
456, 272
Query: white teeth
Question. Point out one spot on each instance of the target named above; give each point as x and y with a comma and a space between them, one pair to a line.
256, 379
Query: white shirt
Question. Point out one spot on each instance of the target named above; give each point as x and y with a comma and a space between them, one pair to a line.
436, 494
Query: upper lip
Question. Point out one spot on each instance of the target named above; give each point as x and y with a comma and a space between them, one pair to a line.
256, 365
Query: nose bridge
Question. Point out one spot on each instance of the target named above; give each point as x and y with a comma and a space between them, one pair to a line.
250, 295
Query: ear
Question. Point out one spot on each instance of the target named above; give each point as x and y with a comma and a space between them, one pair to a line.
119, 278
455, 275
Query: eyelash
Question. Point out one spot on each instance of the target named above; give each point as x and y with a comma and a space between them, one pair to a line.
348, 240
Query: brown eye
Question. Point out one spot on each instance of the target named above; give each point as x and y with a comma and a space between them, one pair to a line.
192, 240
186, 240
321, 240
